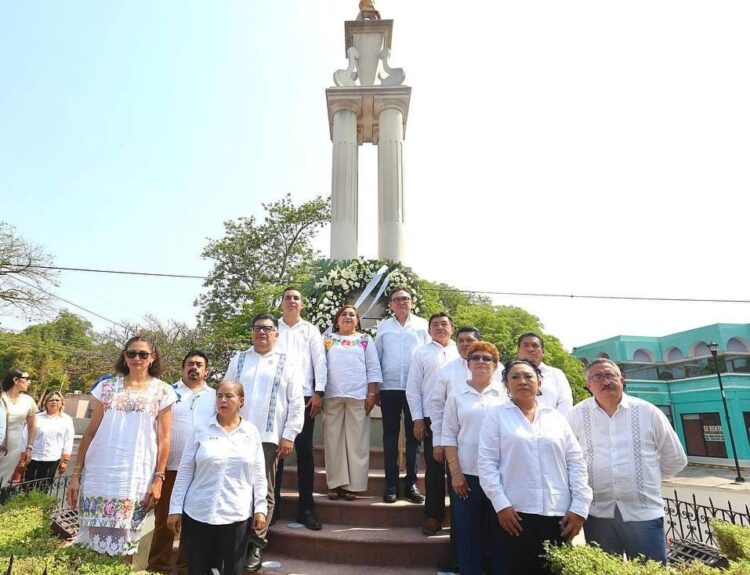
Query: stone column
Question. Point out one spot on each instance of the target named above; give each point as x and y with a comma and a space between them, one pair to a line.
344, 188
391, 184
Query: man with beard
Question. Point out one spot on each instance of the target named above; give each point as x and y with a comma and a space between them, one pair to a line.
196, 404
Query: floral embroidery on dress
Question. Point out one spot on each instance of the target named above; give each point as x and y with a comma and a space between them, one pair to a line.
344, 341
115, 396
101, 511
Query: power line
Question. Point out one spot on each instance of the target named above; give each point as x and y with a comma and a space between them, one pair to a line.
465, 291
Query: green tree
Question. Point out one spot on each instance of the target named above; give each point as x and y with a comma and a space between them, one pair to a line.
59, 354
437, 297
503, 324
24, 274
253, 263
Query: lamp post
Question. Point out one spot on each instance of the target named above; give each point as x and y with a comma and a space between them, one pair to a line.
713, 347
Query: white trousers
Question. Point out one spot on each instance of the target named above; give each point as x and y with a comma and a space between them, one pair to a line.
347, 443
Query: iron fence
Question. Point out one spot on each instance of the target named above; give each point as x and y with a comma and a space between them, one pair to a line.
691, 521
55, 487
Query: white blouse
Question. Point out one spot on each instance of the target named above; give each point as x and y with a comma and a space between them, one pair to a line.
54, 436
535, 467
462, 422
222, 475
352, 364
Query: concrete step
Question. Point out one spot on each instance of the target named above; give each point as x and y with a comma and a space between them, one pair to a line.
294, 566
375, 484
385, 547
376, 457
366, 511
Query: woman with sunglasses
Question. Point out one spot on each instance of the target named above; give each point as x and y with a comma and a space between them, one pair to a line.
121, 460
53, 443
351, 393
532, 469
464, 413
20, 411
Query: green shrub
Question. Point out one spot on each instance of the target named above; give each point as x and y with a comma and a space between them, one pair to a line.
25, 533
588, 559
734, 540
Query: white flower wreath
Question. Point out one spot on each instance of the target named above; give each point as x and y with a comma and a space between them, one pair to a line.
344, 280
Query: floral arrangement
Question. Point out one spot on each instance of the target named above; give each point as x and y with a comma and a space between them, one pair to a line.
342, 282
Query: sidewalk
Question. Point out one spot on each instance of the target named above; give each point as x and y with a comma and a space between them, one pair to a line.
707, 476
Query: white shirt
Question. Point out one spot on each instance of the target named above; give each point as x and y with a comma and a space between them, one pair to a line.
535, 467
462, 422
423, 373
303, 344
3, 424
627, 456
222, 475
556, 391
396, 344
54, 436
450, 376
273, 394
192, 409
353, 363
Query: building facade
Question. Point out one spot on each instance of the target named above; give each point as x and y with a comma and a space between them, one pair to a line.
677, 373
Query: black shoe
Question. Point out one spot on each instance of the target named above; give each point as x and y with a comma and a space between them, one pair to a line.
308, 519
413, 495
254, 560
390, 495
449, 568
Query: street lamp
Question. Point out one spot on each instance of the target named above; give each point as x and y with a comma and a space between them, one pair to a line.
713, 347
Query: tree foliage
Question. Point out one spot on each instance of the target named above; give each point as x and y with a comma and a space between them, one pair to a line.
253, 263
23, 283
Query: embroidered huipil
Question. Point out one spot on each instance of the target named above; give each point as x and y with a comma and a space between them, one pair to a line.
423, 373
556, 391
627, 456
222, 475
451, 375
353, 363
303, 345
193, 408
396, 344
535, 467
120, 465
54, 436
462, 421
273, 393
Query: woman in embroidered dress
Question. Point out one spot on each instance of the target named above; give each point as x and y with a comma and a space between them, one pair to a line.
123, 453
351, 393
20, 411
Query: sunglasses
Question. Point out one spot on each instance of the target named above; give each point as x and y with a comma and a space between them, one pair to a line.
484, 358
141, 354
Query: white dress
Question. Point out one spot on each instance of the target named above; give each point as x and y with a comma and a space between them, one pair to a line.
17, 413
120, 465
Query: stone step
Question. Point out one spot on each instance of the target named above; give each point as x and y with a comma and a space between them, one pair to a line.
386, 547
365, 511
375, 484
376, 457
294, 566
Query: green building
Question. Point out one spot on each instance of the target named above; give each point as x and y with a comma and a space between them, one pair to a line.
677, 373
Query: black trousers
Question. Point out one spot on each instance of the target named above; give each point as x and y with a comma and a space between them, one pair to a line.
41, 470
208, 546
434, 479
303, 448
524, 554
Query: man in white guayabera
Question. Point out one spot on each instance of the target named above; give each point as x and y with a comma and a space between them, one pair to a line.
629, 448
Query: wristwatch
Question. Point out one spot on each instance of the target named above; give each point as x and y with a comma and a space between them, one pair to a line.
320, 393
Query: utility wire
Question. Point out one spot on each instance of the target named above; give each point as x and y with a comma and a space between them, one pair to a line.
465, 291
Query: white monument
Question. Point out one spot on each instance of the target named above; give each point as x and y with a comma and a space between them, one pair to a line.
368, 104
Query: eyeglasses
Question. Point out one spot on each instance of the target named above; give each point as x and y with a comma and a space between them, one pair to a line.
26, 377
263, 328
484, 358
601, 377
141, 354
402, 299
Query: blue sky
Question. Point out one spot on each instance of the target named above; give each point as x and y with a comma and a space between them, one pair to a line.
558, 134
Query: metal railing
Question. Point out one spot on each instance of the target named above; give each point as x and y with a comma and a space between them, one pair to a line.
691, 520
55, 487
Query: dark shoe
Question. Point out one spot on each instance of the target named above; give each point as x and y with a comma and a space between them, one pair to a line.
254, 560
348, 495
431, 526
334, 494
413, 495
308, 519
449, 568
390, 496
